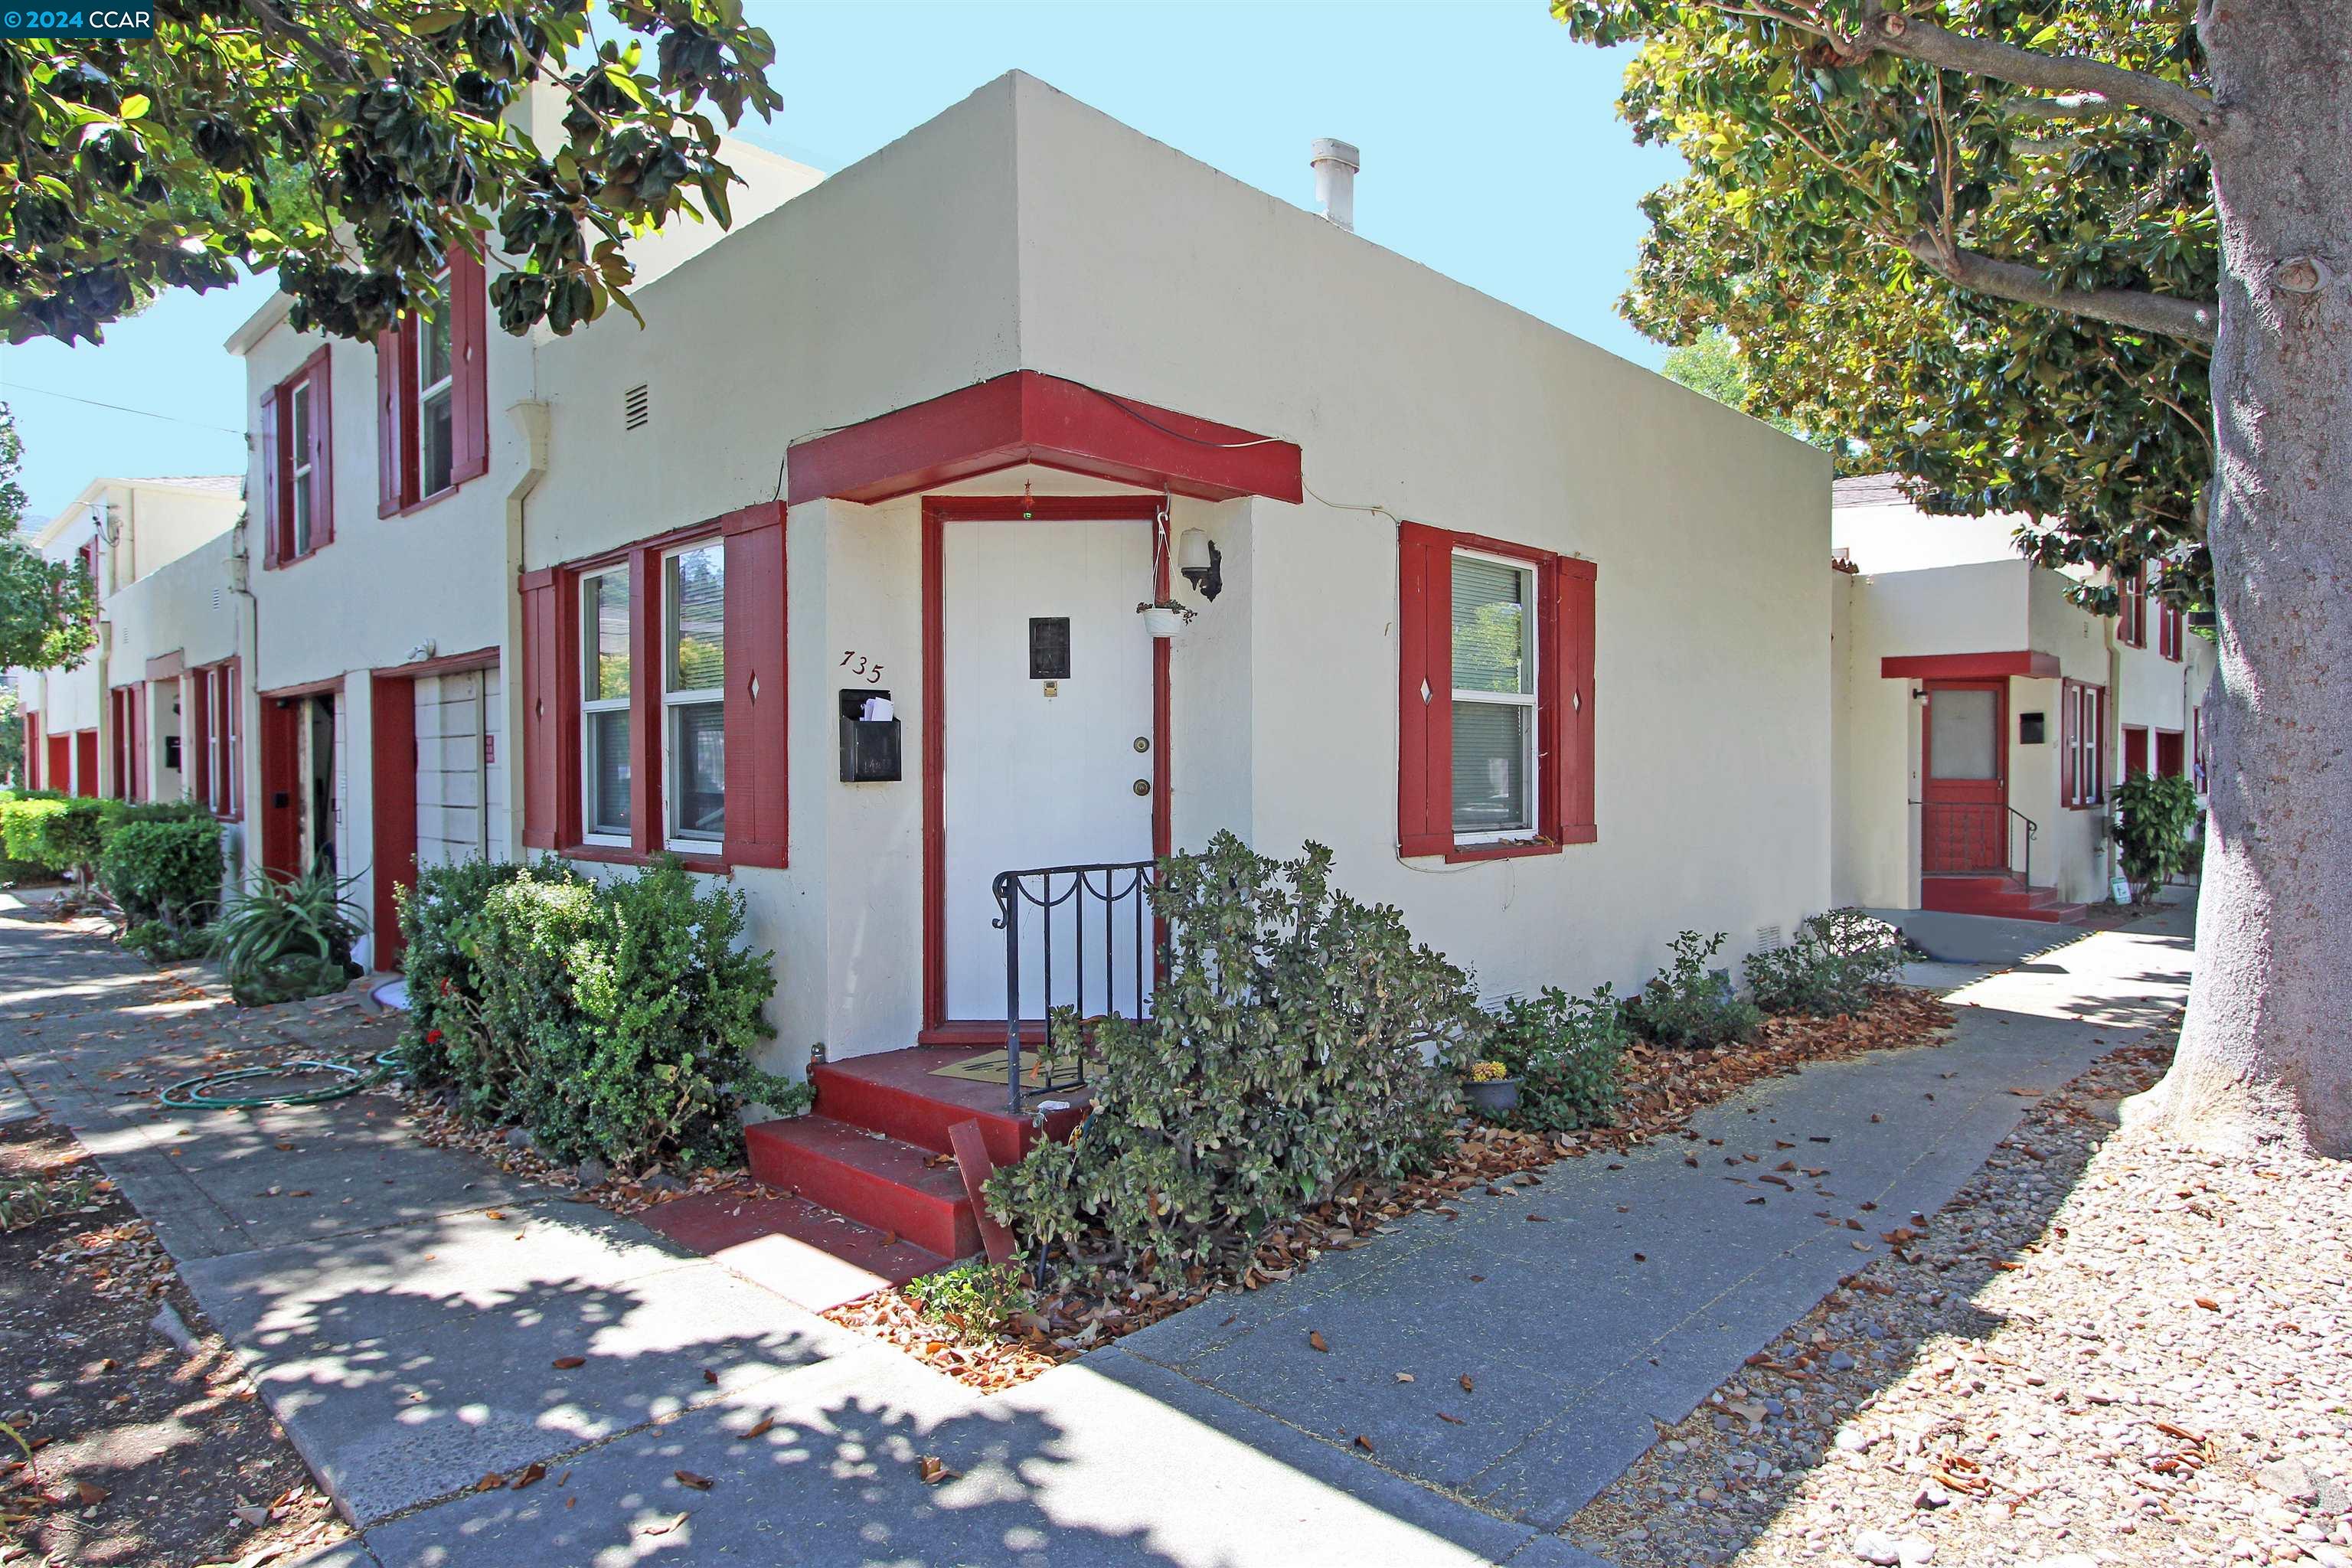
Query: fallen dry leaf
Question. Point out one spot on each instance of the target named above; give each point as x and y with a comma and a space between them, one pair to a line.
528, 1475
566, 1363
1314, 1337
759, 1428
688, 1479
1468, 1386
1363, 1442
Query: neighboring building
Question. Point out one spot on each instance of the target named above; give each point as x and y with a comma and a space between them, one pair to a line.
1982, 718
389, 483
132, 719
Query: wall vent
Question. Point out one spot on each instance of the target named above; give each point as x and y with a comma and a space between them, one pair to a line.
636, 406
1768, 938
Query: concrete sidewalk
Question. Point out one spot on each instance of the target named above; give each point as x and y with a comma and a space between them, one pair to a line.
403, 1308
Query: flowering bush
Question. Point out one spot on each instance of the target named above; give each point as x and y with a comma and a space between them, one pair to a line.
1488, 1072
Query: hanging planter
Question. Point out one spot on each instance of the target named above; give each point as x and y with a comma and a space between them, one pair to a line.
1164, 619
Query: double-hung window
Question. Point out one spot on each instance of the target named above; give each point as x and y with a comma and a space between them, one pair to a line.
437, 394
694, 692
1495, 730
604, 706
2133, 612
2083, 742
297, 463
1496, 769
655, 697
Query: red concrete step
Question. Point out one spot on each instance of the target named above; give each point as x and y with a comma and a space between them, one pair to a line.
897, 1093
883, 1181
1998, 896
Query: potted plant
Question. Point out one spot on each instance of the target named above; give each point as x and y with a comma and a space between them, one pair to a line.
1492, 1088
1164, 619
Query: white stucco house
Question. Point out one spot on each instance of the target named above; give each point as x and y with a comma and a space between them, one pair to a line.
134, 719
1982, 718
1028, 496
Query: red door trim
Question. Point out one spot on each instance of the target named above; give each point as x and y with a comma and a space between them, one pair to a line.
1969, 666
939, 1029
2000, 689
1027, 416
392, 727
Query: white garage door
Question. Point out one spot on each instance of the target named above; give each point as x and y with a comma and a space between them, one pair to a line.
460, 768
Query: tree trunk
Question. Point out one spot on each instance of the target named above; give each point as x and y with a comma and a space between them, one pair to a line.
2266, 1050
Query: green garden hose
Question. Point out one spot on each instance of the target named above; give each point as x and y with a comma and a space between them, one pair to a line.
196, 1093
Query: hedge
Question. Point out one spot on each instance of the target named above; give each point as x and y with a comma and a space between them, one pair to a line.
613, 1019
163, 870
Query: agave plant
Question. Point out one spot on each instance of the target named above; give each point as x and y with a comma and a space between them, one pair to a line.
279, 938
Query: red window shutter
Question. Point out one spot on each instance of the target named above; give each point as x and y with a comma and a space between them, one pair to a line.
273, 479
1425, 691
136, 702
196, 745
470, 361
389, 489
2067, 742
321, 454
233, 734
757, 733
32, 751
1572, 661
543, 765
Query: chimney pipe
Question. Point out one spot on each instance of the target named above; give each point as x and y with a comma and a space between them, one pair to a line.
1335, 164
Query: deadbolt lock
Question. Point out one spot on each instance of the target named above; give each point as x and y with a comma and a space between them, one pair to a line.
1143, 786
1143, 742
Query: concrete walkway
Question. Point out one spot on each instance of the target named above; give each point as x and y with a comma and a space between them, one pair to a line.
402, 1309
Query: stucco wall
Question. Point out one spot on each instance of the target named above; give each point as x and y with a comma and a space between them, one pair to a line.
1901, 539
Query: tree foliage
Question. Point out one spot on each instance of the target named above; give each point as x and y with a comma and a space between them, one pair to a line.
353, 145
47, 608
2004, 291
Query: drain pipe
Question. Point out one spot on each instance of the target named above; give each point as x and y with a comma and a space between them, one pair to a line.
530, 420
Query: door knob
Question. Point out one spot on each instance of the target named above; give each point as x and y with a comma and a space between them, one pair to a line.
1143, 786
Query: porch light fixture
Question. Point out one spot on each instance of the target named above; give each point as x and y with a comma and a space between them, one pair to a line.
1202, 562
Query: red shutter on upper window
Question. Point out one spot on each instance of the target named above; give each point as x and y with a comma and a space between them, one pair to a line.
542, 657
321, 454
273, 480
756, 709
1572, 662
389, 490
470, 366
1425, 691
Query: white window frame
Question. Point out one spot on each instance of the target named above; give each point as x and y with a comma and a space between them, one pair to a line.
444, 319
299, 501
1531, 699
590, 650
673, 839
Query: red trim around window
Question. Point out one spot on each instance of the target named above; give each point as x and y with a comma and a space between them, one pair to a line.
2168, 630
398, 394
939, 1029
1565, 653
756, 715
278, 463
2133, 615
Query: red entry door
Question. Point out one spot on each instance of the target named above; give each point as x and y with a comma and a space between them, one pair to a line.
1965, 793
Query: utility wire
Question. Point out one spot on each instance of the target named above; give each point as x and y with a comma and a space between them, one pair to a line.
11, 388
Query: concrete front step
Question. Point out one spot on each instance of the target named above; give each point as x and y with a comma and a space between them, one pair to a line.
883, 1181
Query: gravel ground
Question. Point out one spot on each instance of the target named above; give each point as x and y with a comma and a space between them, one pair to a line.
2102, 1350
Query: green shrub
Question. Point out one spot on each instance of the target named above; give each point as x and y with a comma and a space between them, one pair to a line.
972, 1296
282, 939
57, 832
1565, 1051
1300, 1040
1689, 1002
1830, 967
2153, 819
160, 942
163, 868
613, 1019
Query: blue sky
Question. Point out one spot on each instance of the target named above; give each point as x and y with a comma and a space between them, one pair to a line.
1492, 151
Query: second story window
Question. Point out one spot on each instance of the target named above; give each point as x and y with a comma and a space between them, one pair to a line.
298, 464
436, 389
433, 394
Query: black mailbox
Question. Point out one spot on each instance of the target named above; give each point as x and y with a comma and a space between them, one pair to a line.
869, 747
2029, 729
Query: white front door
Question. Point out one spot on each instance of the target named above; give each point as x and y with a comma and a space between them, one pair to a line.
1044, 769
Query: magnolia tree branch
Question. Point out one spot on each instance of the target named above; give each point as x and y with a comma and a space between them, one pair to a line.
2165, 314
1920, 40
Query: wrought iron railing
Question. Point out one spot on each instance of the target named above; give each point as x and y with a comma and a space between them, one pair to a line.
1091, 945
1950, 831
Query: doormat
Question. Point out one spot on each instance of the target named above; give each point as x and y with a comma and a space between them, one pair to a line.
989, 1067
